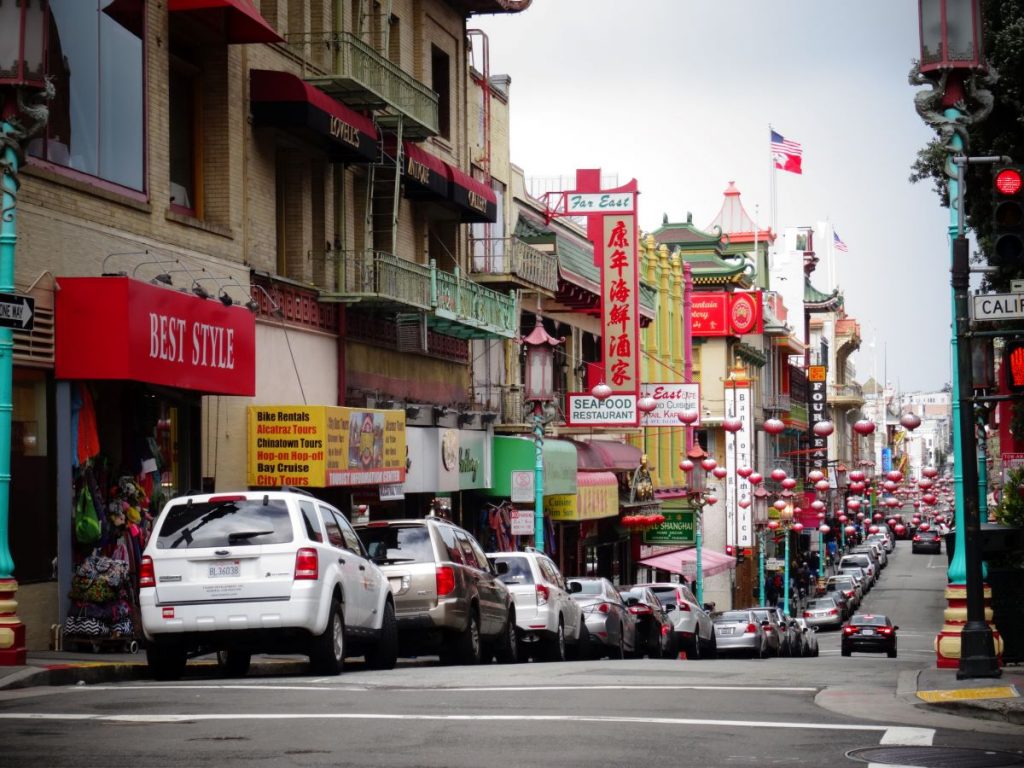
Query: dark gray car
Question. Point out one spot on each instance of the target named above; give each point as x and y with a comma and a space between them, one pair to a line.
448, 596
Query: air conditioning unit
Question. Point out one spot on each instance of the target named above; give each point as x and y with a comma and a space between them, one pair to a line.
411, 331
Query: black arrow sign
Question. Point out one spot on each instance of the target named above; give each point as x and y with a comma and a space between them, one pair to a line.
17, 311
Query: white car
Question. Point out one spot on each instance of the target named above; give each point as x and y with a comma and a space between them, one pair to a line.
547, 617
692, 623
261, 571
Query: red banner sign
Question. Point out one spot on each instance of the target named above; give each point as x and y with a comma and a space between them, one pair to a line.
117, 328
726, 314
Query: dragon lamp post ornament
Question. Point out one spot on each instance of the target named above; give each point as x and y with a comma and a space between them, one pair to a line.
20, 120
934, 105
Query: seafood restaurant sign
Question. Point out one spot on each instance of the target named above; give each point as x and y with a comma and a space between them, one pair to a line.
612, 228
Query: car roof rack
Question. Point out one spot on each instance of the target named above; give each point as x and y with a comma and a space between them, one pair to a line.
293, 489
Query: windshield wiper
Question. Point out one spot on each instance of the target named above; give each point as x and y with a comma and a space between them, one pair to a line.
235, 536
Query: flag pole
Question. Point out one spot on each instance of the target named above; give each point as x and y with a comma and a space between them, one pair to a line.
771, 198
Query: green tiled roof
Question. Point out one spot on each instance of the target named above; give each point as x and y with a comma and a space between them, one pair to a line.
824, 302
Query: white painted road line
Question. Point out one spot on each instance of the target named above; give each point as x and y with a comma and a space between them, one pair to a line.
918, 737
156, 719
489, 689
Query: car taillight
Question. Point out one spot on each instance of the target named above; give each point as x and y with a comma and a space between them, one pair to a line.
681, 606
604, 608
543, 593
147, 576
307, 565
885, 630
640, 610
833, 612
665, 629
850, 592
223, 499
751, 628
808, 615
445, 577
916, 537
849, 630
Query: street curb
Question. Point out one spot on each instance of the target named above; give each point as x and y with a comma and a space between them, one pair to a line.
981, 710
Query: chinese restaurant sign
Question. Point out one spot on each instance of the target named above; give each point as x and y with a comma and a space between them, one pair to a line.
322, 446
620, 286
670, 401
738, 453
726, 314
816, 375
585, 410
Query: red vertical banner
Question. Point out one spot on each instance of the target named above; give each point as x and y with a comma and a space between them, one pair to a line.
620, 284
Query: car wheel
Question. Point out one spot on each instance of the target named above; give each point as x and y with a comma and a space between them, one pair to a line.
581, 650
384, 654
327, 656
467, 642
166, 661
555, 647
508, 649
892, 651
762, 650
845, 651
694, 648
234, 663
712, 650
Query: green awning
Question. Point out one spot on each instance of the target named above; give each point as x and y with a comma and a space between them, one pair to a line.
517, 454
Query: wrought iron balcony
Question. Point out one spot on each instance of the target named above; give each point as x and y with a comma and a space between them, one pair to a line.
846, 394
511, 262
467, 309
453, 304
352, 71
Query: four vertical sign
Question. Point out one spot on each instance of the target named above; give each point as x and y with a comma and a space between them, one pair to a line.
816, 376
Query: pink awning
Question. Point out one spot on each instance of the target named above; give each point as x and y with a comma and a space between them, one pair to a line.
684, 561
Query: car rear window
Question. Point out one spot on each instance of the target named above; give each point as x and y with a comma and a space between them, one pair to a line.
518, 570
235, 523
734, 616
590, 587
821, 604
870, 621
398, 543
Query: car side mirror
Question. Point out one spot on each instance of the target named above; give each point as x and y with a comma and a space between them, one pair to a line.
765, 624
895, 627
575, 587
669, 607
501, 567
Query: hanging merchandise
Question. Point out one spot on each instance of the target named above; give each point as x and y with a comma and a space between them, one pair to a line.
86, 521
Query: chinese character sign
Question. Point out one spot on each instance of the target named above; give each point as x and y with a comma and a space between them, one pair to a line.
738, 453
619, 311
816, 375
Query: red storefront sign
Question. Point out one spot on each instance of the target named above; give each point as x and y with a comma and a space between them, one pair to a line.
726, 314
117, 328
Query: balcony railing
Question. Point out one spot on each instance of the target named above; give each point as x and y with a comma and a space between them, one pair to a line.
455, 305
510, 256
473, 305
777, 403
378, 277
346, 67
846, 392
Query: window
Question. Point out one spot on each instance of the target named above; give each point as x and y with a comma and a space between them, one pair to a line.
312, 525
351, 540
184, 94
440, 78
448, 537
225, 523
95, 58
333, 531
467, 549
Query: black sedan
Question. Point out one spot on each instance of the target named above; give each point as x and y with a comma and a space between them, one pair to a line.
871, 633
654, 635
926, 541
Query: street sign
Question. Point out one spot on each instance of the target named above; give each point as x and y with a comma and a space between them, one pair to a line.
16, 311
998, 306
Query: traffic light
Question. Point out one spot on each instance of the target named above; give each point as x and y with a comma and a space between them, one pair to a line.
1013, 363
1008, 216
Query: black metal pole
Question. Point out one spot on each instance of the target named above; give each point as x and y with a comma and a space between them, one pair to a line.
977, 646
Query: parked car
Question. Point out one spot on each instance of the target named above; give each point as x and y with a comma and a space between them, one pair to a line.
777, 632
449, 598
810, 636
876, 550
873, 633
611, 626
926, 541
824, 612
859, 576
741, 632
261, 571
885, 539
547, 617
691, 621
655, 637
861, 561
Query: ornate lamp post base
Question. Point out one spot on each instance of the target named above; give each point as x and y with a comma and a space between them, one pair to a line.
954, 637
12, 631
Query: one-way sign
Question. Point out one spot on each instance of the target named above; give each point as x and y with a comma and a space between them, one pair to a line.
16, 311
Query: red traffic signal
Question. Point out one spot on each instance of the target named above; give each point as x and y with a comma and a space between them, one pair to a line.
1013, 364
1008, 181
1008, 217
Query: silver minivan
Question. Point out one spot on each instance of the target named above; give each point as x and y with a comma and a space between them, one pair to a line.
860, 561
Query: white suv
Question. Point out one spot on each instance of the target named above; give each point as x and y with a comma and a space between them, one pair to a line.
546, 615
261, 571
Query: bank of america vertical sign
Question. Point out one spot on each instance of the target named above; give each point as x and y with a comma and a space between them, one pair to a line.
738, 453
816, 409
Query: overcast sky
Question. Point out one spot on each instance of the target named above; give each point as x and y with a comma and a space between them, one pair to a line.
679, 94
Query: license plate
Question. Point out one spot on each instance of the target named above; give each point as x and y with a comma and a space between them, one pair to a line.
868, 632
225, 570
725, 630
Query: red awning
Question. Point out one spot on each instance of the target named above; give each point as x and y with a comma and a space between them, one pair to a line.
237, 20
282, 99
607, 455
424, 174
474, 199
684, 562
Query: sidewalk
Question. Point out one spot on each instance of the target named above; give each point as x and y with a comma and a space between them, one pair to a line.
1000, 699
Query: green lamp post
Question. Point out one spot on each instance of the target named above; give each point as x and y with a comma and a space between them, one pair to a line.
23, 28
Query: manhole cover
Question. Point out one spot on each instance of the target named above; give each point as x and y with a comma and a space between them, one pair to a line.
937, 757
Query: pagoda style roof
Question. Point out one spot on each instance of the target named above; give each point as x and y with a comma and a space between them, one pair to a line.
705, 252
816, 301
734, 221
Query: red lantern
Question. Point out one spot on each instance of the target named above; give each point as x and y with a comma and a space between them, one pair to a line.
789, 483
744, 503
930, 472
778, 475
773, 524
818, 505
877, 516
864, 427
646, 404
930, 499
923, 527
798, 526
711, 499
899, 529
889, 486
686, 465
856, 487
924, 483
602, 391
824, 529
720, 472
850, 530
823, 428
815, 475
774, 426
857, 476
861, 516
821, 485
873, 529
708, 464
744, 472
779, 504
732, 424
895, 475
821, 515
843, 519
755, 478
910, 421
853, 504
688, 416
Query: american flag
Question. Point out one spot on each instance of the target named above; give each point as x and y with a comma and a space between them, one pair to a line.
787, 154
838, 242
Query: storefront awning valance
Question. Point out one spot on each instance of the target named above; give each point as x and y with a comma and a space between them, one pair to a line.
597, 496
684, 562
237, 20
427, 176
513, 454
118, 328
607, 455
281, 99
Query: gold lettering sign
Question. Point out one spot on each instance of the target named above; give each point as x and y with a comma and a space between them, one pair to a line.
417, 171
341, 130
477, 201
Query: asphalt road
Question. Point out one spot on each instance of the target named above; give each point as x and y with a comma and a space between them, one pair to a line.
776, 712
